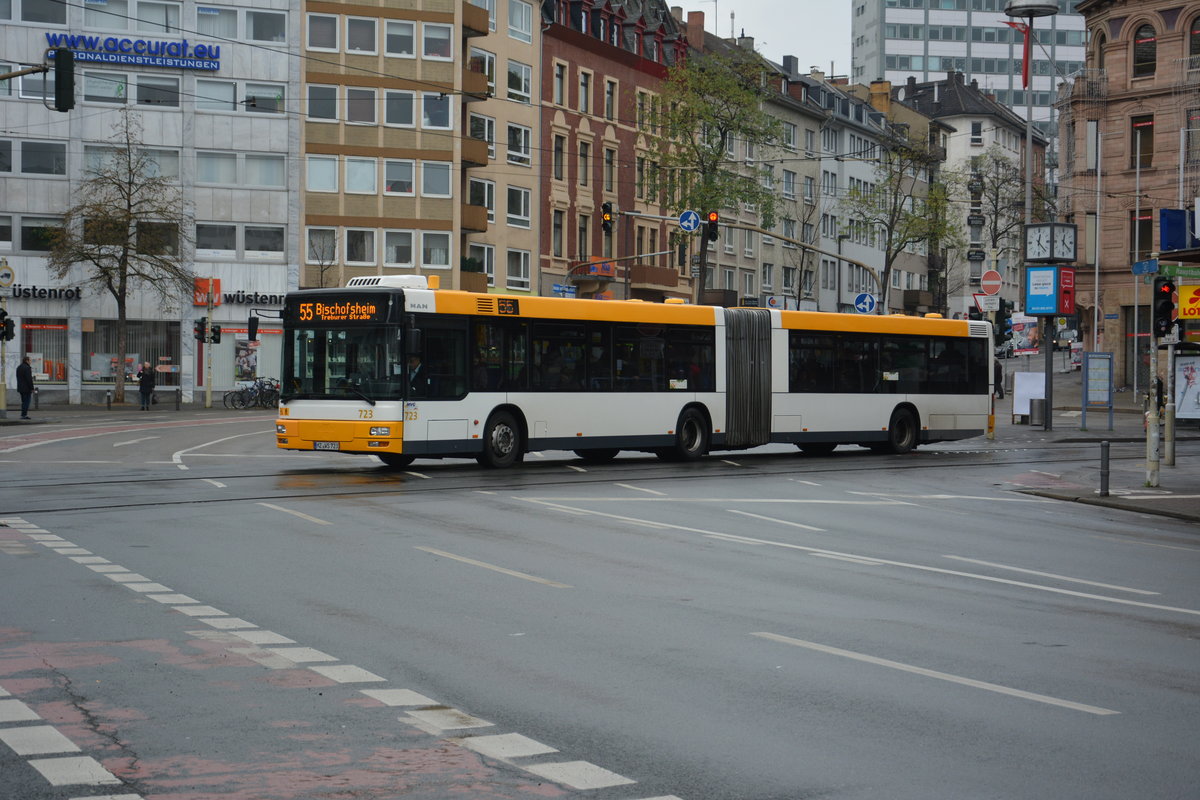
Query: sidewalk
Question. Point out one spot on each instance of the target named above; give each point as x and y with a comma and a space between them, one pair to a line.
1178, 492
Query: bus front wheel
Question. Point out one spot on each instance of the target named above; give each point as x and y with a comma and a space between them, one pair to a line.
501, 441
395, 460
691, 438
902, 432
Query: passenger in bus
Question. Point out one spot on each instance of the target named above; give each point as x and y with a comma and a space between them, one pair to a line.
418, 382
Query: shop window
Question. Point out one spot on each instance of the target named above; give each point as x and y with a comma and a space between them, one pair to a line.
153, 341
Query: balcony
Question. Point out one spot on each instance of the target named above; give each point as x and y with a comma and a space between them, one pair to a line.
1086, 84
474, 218
650, 278
474, 152
475, 20
474, 85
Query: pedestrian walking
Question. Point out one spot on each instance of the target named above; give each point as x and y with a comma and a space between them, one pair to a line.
146, 385
998, 379
25, 385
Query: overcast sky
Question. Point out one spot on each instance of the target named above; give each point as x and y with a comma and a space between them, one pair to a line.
814, 31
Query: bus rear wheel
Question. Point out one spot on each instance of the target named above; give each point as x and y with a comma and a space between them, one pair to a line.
598, 455
691, 438
902, 432
395, 460
501, 441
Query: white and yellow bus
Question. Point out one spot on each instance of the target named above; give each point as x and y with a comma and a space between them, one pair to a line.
396, 368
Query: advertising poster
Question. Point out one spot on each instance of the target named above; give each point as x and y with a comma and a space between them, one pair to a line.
1187, 387
245, 358
1025, 339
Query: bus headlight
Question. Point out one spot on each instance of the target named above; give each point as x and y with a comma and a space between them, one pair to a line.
381, 431
280, 428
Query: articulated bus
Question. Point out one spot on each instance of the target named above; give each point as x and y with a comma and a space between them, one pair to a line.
396, 368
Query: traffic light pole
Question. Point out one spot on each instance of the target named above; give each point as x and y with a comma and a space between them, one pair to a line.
1152, 438
3, 369
208, 350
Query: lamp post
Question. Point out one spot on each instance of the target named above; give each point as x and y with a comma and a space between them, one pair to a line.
1028, 10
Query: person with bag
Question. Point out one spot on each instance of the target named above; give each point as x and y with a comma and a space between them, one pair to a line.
146, 385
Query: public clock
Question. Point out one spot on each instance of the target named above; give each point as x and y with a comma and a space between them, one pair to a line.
1037, 242
1062, 242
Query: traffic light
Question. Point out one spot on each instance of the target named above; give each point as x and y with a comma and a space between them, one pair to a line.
216, 334
606, 217
64, 79
200, 329
7, 329
1162, 306
252, 330
1003, 329
712, 231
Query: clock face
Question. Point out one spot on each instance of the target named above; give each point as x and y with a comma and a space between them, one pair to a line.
1064, 242
1037, 242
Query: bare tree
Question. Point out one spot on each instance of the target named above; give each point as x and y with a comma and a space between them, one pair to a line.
323, 250
903, 207
127, 230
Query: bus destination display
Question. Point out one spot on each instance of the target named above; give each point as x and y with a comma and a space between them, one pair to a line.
358, 309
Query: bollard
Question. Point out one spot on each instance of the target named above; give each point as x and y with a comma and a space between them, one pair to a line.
178, 396
1104, 469
37, 397
108, 400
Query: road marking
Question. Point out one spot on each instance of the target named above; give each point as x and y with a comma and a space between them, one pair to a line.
419, 475
506, 746
299, 514
38, 740
513, 573
851, 559
997, 499
263, 637
903, 564
301, 655
942, 676
73, 770
806, 483
217, 484
577, 469
730, 462
16, 711
134, 441
398, 697
177, 456
449, 719
579, 775
640, 489
773, 519
755, 501
1051, 575
225, 623
348, 673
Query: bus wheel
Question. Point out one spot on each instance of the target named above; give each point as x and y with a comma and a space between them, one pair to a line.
817, 448
395, 460
902, 432
691, 438
598, 455
501, 441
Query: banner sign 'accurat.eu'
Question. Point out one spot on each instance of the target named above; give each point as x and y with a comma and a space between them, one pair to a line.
179, 53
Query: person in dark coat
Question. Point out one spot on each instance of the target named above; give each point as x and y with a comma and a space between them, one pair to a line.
998, 379
25, 385
146, 385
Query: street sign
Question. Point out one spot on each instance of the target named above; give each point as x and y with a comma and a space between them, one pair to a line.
976, 255
7, 275
689, 221
1147, 267
1179, 271
695, 272
990, 282
987, 302
865, 303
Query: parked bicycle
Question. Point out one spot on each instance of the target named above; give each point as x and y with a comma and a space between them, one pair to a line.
262, 393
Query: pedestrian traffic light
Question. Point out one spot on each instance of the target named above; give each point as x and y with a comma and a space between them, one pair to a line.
712, 232
1162, 306
216, 334
200, 329
64, 79
606, 217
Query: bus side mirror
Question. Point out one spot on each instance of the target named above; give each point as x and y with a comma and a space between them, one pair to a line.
412, 342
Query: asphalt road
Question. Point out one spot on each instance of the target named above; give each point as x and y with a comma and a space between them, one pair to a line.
204, 617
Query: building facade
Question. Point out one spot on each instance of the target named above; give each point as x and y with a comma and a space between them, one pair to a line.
1131, 133
213, 89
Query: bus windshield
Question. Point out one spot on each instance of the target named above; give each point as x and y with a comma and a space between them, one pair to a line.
344, 363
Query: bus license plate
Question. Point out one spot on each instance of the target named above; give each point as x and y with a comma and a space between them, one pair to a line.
327, 445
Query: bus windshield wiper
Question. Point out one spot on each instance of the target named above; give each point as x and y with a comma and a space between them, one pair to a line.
355, 391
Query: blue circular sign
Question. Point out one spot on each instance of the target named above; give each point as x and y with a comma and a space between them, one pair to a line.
689, 221
865, 303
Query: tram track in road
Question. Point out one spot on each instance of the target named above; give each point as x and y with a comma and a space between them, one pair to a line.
225, 486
